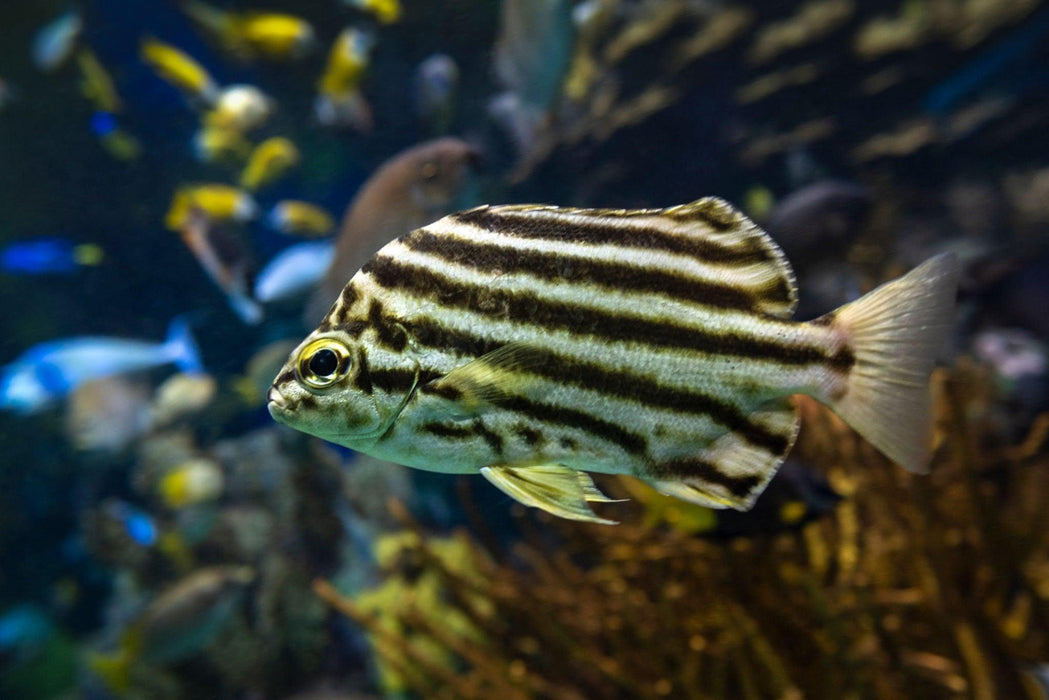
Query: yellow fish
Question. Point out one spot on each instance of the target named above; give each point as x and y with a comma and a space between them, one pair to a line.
215, 144
270, 159
386, 11
339, 100
300, 219
179, 69
240, 108
254, 34
191, 483
217, 202
96, 83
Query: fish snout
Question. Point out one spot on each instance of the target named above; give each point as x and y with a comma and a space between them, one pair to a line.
275, 402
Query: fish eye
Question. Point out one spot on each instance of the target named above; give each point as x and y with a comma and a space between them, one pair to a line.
322, 363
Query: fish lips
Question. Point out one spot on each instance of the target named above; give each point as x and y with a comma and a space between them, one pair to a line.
277, 405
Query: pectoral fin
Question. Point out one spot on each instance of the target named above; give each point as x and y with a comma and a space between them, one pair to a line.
490, 377
558, 490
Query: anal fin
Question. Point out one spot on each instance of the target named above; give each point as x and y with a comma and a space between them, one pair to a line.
558, 490
731, 472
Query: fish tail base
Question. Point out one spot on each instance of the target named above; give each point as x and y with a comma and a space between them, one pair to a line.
895, 333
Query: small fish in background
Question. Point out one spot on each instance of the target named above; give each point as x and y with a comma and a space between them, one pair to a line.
49, 371
819, 220
386, 11
54, 44
25, 630
294, 271
218, 145
178, 624
254, 34
534, 344
295, 218
49, 256
107, 415
339, 98
258, 374
96, 84
409, 190
222, 255
180, 396
191, 483
436, 87
241, 108
180, 70
216, 202
661, 509
270, 160
115, 139
531, 58
136, 524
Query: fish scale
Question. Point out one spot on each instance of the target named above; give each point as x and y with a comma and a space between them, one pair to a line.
534, 343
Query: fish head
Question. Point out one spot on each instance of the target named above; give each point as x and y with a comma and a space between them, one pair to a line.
440, 170
325, 389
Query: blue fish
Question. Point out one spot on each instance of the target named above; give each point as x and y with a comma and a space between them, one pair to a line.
48, 256
54, 43
49, 371
138, 525
24, 630
293, 271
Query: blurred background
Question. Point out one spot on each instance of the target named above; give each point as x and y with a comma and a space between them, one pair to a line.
175, 180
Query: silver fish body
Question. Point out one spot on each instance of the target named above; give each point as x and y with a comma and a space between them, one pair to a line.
533, 344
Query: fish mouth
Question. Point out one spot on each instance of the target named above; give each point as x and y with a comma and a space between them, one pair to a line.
276, 403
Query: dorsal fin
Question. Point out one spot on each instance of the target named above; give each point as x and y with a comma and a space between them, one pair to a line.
715, 220
731, 248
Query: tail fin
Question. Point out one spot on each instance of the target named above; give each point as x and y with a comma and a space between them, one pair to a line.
895, 333
182, 348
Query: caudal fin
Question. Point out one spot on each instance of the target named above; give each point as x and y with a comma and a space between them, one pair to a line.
895, 333
182, 348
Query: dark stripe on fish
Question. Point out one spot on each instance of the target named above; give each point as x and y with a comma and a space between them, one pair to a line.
494, 440
397, 380
694, 468
363, 379
531, 436
390, 333
542, 225
450, 431
716, 214
445, 430
528, 308
552, 266
571, 418
620, 384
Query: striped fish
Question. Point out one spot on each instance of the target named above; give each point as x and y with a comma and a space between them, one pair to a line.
534, 344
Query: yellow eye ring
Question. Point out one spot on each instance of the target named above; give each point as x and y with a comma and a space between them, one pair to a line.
322, 363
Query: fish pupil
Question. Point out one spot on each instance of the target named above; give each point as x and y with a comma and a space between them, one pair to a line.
324, 362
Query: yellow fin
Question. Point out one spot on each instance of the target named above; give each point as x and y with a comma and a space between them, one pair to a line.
558, 490
696, 495
490, 377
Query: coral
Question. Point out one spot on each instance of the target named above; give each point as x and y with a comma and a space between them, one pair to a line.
914, 585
